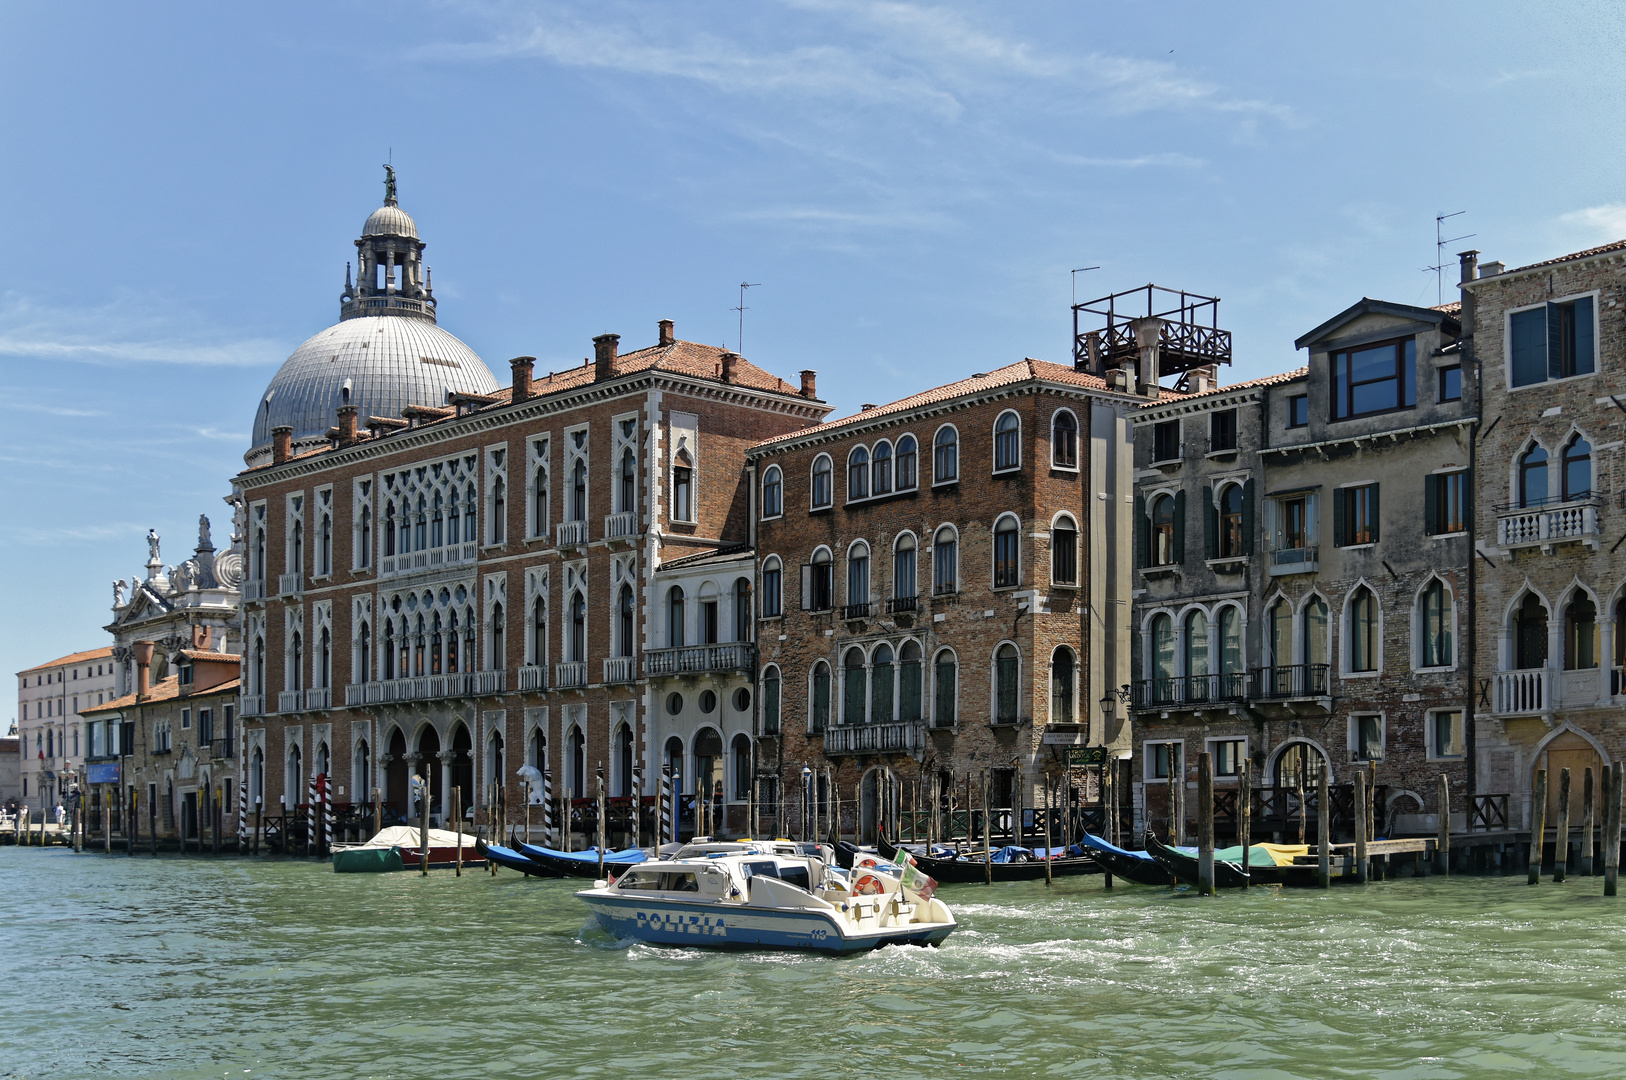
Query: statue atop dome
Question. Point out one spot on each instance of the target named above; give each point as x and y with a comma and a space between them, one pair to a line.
389, 185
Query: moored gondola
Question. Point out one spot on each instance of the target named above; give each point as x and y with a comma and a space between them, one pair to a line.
1182, 863
968, 871
512, 859
1137, 866
581, 864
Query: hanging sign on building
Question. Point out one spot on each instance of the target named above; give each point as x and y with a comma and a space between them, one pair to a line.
102, 772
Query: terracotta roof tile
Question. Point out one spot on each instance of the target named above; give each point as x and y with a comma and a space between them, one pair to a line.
1618, 245
1266, 380
103, 653
167, 690
211, 657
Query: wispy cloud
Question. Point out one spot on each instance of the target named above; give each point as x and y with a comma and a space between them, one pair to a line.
50, 410
121, 332
1605, 222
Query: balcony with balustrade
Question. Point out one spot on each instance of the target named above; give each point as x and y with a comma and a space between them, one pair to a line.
253, 590
570, 675
533, 677
620, 669
288, 701
1546, 523
700, 659
251, 704
570, 534
847, 740
318, 697
290, 584
1294, 560
622, 526
1524, 692
429, 559
461, 684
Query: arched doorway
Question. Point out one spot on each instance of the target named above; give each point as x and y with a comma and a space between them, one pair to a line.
429, 766
623, 753
578, 764
1567, 750
462, 770
395, 775
362, 774
1300, 763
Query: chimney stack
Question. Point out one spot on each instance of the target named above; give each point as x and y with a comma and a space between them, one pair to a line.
1148, 333
604, 350
666, 337
729, 362
522, 367
200, 638
282, 444
347, 424
809, 381
143, 659
1470, 271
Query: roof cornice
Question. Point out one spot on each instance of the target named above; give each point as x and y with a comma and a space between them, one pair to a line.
1546, 268
1368, 436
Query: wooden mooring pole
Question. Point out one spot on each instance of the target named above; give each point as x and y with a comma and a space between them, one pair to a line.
457, 813
1205, 824
1442, 845
1244, 819
600, 816
1362, 870
1561, 834
1589, 830
1048, 853
987, 835
1323, 829
1611, 827
423, 828
1538, 825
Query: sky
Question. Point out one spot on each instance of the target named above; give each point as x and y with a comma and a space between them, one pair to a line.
908, 186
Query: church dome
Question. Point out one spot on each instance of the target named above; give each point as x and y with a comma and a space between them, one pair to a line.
381, 364
390, 220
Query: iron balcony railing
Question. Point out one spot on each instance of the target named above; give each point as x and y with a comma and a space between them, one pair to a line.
571, 673
620, 669
1190, 690
901, 604
621, 526
901, 738
426, 687
856, 611
699, 659
1294, 560
1288, 681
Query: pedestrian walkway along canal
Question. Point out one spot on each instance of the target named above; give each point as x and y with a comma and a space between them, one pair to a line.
112, 966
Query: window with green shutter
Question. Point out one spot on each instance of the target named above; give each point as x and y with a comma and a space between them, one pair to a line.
909, 674
1554, 341
944, 696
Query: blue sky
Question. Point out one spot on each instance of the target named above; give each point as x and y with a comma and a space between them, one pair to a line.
911, 184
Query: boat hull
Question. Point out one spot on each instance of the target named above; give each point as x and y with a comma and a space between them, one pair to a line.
714, 926
573, 864
1227, 875
960, 872
1132, 865
513, 860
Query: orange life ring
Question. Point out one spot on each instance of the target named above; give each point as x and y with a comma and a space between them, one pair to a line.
868, 885
866, 864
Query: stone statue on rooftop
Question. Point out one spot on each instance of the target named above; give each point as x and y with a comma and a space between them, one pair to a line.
152, 545
389, 185
204, 542
118, 592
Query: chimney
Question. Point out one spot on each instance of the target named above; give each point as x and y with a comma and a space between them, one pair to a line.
1092, 352
729, 362
1492, 268
604, 349
143, 659
1147, 334
200, 638
282, 444
522, 366
809, 381
347, 424
1470, 271
666, 337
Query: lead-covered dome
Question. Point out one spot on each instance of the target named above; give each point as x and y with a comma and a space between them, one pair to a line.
390, 220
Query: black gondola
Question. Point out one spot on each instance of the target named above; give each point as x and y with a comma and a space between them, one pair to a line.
967, 872
1136, 866
1227, 875
512, 859
577, 864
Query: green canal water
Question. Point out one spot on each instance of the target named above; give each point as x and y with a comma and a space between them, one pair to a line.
118, 967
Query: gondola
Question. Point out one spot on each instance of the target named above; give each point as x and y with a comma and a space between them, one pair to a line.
1136, 866
512, 859
580, 864
1182, 863
967, 872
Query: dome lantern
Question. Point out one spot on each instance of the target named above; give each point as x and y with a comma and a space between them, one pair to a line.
390, 275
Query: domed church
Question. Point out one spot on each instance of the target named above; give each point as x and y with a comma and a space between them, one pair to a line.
386, 351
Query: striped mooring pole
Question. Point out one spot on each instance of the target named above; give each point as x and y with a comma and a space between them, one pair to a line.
668, 833
327, 815
242, 819
310, 816
637, 805
547, 810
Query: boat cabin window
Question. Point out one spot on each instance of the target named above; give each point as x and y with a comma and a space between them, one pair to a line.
796, 875
635, 880
679, 883
760, 869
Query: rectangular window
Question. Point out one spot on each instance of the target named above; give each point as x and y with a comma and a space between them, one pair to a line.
1159, 760
944, 697
1554, 341
682, 495
1166, 441
770, 705
1374, 379
1222, 431
1228, 755
1451, 383
206, 726
1298, 410
821, 699
1445, 734
1444, 494
708, 622
186, 719
1356, 512
1366, 737
771, 585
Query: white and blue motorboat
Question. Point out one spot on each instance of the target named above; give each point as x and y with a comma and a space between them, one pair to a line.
760, 898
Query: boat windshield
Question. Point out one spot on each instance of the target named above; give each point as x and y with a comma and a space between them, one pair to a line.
638, 880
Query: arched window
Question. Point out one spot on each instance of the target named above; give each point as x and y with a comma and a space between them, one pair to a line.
539, 503
674, 761
624, 630
1061, 686
499, 658
295, 794
470, 530
773, 492
858, 474
469, 658
298, 553
945, 456
945, 562
1007, 559
818, 706
822, 581
389, 529
1530, 634
881, 469
903, 569
436, 645
1363, 630
1007, 669
743, 615
1164, 660
821, 487
437, 524
1197, 687
324, 556
364, 646
499, 510
1577, 462
578, 764
539, 750
770, 700
364, 552
578, 628
1163, 530
1064, 551
1580, 634
454, 528
1437, 617
1533, 477
296, 661
674, 616
742, 768
1315, 631
420, 539
628, 500
945, 690
1064, 440
905, 469
539, 633
1281, 634
324, 661
858, 580
909, 682
389, 649
1230, 522
451, 643
853, 685
1007, 442
578, 491
881, 672
1232, 669
773, 585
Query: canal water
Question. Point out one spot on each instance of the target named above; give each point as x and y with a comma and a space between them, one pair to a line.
119, 967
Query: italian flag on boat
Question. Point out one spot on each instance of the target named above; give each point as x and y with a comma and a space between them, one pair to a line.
913, 878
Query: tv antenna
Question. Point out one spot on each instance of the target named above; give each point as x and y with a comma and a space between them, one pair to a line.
742, 309
1440, 241
1077, 272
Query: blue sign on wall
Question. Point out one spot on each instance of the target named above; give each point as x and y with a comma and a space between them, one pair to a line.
102, 772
